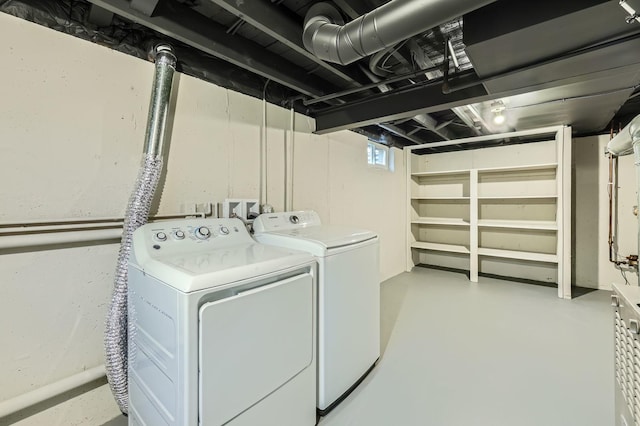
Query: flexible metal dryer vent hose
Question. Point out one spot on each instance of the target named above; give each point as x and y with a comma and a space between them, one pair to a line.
116, 330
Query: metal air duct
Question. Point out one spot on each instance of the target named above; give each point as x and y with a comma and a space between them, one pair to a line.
385, 26
116, 329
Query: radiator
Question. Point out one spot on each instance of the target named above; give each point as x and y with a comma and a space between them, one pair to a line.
625, 301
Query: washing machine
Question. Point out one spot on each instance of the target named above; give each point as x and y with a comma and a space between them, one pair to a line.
348, 296
221, 328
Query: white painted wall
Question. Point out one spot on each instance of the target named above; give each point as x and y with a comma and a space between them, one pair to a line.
72, 119
590, 209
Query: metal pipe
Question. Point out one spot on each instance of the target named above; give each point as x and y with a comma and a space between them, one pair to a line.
15, 236
56, 238
137, 214
622, 144
288, 163
49, 391
636, 155
160, 100
452, 51
79, 224
385, 26
263, 155
613, 166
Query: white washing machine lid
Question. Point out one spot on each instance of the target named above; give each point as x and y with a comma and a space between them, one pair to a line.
317, 239
203, 270
190, 264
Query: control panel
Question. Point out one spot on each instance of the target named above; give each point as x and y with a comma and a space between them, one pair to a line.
271, 222
182, 235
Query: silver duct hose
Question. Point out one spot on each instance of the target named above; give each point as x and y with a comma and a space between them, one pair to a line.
116, 330
325, 37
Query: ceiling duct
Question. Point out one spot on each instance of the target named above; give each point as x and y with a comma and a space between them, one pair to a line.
326, 37
577, 60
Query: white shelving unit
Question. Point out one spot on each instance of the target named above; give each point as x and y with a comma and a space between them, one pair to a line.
445, 221
500, 207
450, 248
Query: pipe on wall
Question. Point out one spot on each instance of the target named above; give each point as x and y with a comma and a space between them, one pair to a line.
622, 143
71, 231
397, 20
49, 391
25, 240
263, 156
288, 162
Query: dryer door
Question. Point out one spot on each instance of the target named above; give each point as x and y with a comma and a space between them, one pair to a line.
251, 344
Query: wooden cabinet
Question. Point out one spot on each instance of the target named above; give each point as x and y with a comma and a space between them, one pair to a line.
500, 210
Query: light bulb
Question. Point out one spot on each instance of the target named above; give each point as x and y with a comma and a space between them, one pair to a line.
499, 118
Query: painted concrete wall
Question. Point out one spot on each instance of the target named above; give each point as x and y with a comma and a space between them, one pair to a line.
72, 119
590, 209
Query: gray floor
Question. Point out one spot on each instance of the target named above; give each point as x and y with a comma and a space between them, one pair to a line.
496, 353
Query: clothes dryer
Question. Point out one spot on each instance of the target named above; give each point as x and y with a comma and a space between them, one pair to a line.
222, 329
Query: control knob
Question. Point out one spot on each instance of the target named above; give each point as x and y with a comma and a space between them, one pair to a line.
161, 236
294, 219
203, 233
224, 230
179, 235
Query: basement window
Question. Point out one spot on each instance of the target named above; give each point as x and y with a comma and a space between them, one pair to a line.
378, 155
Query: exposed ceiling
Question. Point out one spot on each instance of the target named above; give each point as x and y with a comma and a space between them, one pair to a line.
536, 63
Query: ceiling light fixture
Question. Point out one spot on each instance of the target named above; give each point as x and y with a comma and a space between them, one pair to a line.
633, 16
497, 108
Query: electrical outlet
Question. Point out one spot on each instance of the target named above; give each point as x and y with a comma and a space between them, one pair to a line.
240, 207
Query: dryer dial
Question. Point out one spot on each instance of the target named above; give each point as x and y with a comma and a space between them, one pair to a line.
203, 233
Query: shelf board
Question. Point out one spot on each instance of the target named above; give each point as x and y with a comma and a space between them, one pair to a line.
442, 173
521, 255
517, 197
519, 224
540, 166
440, 221
451, 248
440, 198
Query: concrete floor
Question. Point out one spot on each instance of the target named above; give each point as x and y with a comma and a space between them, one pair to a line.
496, 353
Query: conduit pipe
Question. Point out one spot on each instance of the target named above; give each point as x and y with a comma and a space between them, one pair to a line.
70, 231
116, 331
54, 238
263, 156
381, 28
288, 163
52, 390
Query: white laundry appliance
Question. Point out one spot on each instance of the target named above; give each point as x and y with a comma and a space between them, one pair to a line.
221, 328
348, 296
